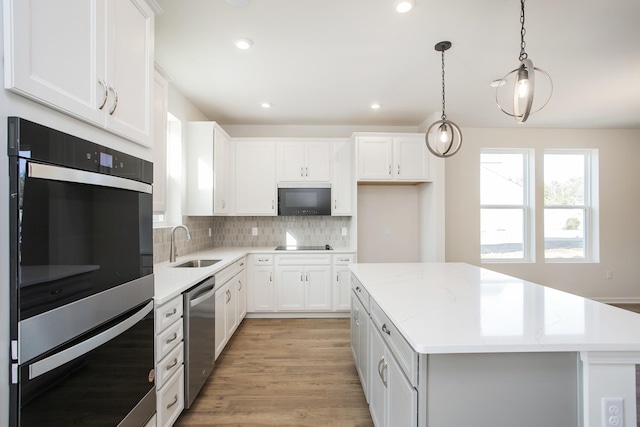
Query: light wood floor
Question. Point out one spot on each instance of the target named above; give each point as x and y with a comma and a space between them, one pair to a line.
283, 372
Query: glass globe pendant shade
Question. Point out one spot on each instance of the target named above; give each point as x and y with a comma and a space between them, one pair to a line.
443, 138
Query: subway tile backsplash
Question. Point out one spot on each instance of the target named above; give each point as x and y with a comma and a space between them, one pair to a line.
237, 231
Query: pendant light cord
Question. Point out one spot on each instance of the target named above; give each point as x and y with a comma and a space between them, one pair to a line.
523, 54
444, 116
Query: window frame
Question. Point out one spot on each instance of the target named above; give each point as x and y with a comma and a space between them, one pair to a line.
527, 206
589, 207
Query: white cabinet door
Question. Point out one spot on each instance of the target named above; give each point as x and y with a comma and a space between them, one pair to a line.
342, 288
290, 288
360, 342
130, 69
207, 169
160, 101
402, 398
318, 161
291, 161
342, 179
393, 158
54, 54
92, 59
221, 180
255, 181
317, 288
263, 288
392, 400
410, 159
303, 161
221, 319
231, 308
241, 283
375, 157
377, 385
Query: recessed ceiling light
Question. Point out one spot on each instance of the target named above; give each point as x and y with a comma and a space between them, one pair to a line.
266, 105
244, 44
403, 6
238, 3
498, 83
375, 106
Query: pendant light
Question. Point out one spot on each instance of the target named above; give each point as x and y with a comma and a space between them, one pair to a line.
443, 137
524, 82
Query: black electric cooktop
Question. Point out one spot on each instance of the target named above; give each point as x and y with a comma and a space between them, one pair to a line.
304, 248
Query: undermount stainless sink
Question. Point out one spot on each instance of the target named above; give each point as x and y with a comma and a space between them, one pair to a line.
197, 263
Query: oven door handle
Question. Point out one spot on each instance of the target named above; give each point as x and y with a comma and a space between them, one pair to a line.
57, 173
54, 361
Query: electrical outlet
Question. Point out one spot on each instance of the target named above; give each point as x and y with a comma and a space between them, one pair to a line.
612, 412
609, 274
209, 231
254, 231
344, 231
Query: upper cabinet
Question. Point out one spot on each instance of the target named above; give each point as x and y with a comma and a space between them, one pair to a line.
342, 183
254, 166
92, 59
207, 169
160, 108
401, 158
303, 161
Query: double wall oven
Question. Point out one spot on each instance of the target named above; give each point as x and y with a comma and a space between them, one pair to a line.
82, 325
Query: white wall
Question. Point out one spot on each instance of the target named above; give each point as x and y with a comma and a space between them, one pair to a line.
619, 156
388, 223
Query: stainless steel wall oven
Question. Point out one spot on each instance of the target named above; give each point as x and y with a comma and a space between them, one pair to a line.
82, 326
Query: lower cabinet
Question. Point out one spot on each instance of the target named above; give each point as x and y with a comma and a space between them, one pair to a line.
262, 295
360, 340
169, 365
300, 288
342, 281
393, 401
230, 302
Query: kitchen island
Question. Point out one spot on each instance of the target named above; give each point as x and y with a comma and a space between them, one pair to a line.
465, 346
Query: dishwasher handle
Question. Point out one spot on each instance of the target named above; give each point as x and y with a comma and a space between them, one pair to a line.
208, 293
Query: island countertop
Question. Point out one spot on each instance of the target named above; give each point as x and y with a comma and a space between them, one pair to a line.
460, 308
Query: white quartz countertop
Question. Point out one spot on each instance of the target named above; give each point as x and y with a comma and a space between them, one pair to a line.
171, 282
460, 308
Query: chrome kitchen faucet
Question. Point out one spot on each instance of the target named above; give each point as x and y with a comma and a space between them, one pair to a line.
173, 252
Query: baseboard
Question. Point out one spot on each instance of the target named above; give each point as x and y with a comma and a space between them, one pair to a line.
299, 315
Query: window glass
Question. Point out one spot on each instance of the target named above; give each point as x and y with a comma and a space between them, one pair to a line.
503, 198
566, 200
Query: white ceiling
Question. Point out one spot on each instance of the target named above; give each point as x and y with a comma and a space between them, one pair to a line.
323, 62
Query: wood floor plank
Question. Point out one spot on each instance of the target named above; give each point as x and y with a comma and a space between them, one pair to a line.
283, 372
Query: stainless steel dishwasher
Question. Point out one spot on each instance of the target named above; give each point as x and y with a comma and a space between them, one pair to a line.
199, 342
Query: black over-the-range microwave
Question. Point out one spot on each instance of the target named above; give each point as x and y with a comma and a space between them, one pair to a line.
304, 199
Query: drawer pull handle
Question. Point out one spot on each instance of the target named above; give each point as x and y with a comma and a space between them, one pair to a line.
174, 311
175, 400
262, 260
385, 329
170, 340
384, 369
175, 362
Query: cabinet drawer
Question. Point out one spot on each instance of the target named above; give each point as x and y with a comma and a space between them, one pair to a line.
171, 399
168, 340
406, 357
225, 274
168, 313
361, 292
263, 259
169, 365
343, 259
303, 259
241, 264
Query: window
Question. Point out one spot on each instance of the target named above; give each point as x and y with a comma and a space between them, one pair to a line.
569, 194
505, 200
